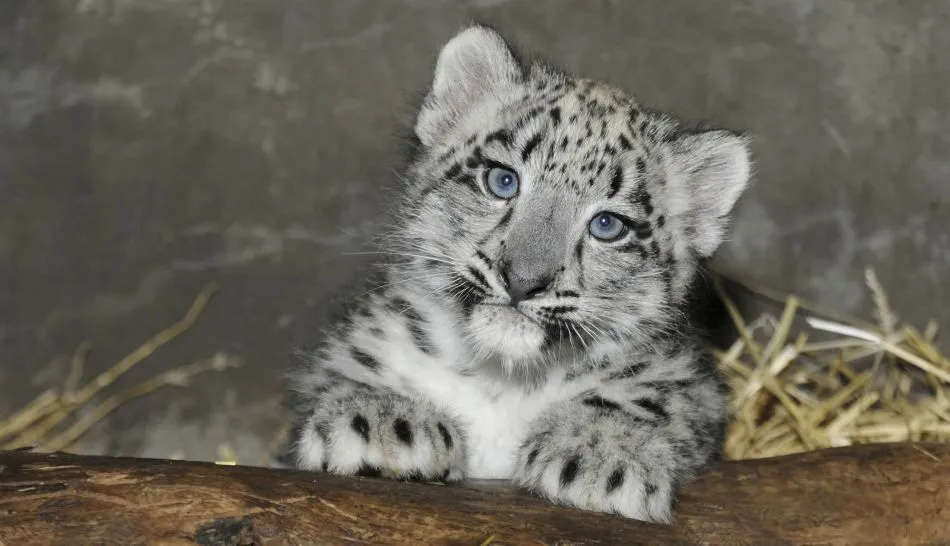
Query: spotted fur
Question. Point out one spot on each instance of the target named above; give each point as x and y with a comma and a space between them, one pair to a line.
586, 384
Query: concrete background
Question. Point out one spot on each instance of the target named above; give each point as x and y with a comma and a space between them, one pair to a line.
148, 147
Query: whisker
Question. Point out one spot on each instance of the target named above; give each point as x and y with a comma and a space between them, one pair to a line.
572, 327
436, 258
398, 282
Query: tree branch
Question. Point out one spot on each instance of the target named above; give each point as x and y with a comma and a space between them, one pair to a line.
873, 494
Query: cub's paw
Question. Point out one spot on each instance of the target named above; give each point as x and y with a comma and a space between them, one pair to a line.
596, 480
386, 436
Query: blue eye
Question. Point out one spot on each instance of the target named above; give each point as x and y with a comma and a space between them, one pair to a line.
607, 227
502, 182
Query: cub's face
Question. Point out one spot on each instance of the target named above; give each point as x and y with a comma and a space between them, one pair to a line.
555, 211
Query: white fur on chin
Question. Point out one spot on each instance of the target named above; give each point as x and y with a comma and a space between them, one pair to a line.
505, 332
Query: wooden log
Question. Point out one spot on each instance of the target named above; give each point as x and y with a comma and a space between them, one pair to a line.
896, 494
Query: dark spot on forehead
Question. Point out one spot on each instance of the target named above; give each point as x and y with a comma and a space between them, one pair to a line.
448, 154
453, 171
647, 204
528, 117
467, 180
530, 147
476, 158
643, 198
502, 136
616, 181
555, 115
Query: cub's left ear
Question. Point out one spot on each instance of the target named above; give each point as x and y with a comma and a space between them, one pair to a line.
711, 169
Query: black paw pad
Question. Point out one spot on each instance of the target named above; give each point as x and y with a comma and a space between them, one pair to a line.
361, 426
403, 431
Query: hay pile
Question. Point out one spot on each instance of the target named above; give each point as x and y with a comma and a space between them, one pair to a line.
863, 383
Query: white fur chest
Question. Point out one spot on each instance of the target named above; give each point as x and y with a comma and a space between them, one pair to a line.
497, 424
494, 414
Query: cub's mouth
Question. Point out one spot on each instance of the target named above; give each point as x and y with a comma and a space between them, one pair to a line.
507, 309
502, 329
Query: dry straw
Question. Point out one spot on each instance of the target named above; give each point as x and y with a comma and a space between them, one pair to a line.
41, 424
858, 383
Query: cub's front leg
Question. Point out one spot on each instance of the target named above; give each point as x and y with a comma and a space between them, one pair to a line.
346, 427
624, 448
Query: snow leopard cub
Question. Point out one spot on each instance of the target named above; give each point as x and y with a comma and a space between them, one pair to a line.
533, 328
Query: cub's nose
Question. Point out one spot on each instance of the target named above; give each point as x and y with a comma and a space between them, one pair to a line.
522, 288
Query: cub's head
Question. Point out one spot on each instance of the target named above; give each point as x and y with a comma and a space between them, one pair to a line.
555, 211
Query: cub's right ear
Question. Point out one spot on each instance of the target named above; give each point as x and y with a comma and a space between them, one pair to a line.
474, 64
